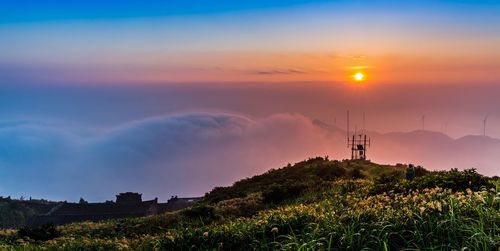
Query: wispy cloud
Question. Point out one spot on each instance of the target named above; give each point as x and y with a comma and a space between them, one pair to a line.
277, 72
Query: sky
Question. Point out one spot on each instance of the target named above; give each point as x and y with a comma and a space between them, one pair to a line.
117, 42
161, 97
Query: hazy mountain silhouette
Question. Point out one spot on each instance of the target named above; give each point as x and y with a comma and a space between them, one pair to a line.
434, 150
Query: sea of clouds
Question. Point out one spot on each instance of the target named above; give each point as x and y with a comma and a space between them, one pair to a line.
184, 154
187, 154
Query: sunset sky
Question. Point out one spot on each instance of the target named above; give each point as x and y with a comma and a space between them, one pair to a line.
122, 42
158, 94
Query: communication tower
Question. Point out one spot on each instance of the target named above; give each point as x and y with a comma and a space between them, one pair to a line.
358, 142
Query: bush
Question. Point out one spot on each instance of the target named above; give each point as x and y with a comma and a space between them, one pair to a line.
43, 233
420, 171
241, 207
385, 183
223, 193
14, 214
355, 173
279, 193
200, 212
330, 172
454, 180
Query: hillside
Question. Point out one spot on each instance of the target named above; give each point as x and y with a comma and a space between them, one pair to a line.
17, 213
316, 204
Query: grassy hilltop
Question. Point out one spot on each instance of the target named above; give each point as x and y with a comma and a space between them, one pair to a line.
316, 204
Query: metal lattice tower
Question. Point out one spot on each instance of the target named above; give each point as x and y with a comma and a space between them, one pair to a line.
358, 142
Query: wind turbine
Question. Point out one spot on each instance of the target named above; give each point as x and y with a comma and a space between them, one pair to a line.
423, 122
484, 124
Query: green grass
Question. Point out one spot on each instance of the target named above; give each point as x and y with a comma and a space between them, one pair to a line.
454, 210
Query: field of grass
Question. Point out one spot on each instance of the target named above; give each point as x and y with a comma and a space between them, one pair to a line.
325, 205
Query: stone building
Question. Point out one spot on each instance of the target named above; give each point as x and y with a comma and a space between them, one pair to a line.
126, 205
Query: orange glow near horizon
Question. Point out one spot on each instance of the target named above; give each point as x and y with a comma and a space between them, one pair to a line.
237, 66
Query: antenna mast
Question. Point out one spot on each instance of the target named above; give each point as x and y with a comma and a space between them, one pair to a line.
358, 142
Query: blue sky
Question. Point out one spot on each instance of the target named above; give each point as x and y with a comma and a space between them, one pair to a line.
51, 10
25, 11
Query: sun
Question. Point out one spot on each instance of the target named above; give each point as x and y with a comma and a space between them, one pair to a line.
358, 76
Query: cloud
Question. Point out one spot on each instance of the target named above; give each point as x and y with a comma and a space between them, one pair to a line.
277, 72
185, 154
190, 153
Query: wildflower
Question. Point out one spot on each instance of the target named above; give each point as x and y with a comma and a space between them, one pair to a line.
407, 211
422, 210
461, 199
274, 230
469, 192
480, 198
430, 205
170, 237
123, 246
439, 207
205, 234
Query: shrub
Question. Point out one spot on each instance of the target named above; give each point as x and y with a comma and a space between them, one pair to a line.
454, 179
355, 173
420, 171
241, 207
14, 214
279, 193
348, 186
43, 233
385, 183
223, 193
200, 212
330, 172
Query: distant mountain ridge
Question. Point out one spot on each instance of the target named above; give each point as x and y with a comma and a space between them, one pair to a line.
434, 150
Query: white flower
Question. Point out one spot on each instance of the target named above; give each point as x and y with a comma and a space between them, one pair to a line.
274, 230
